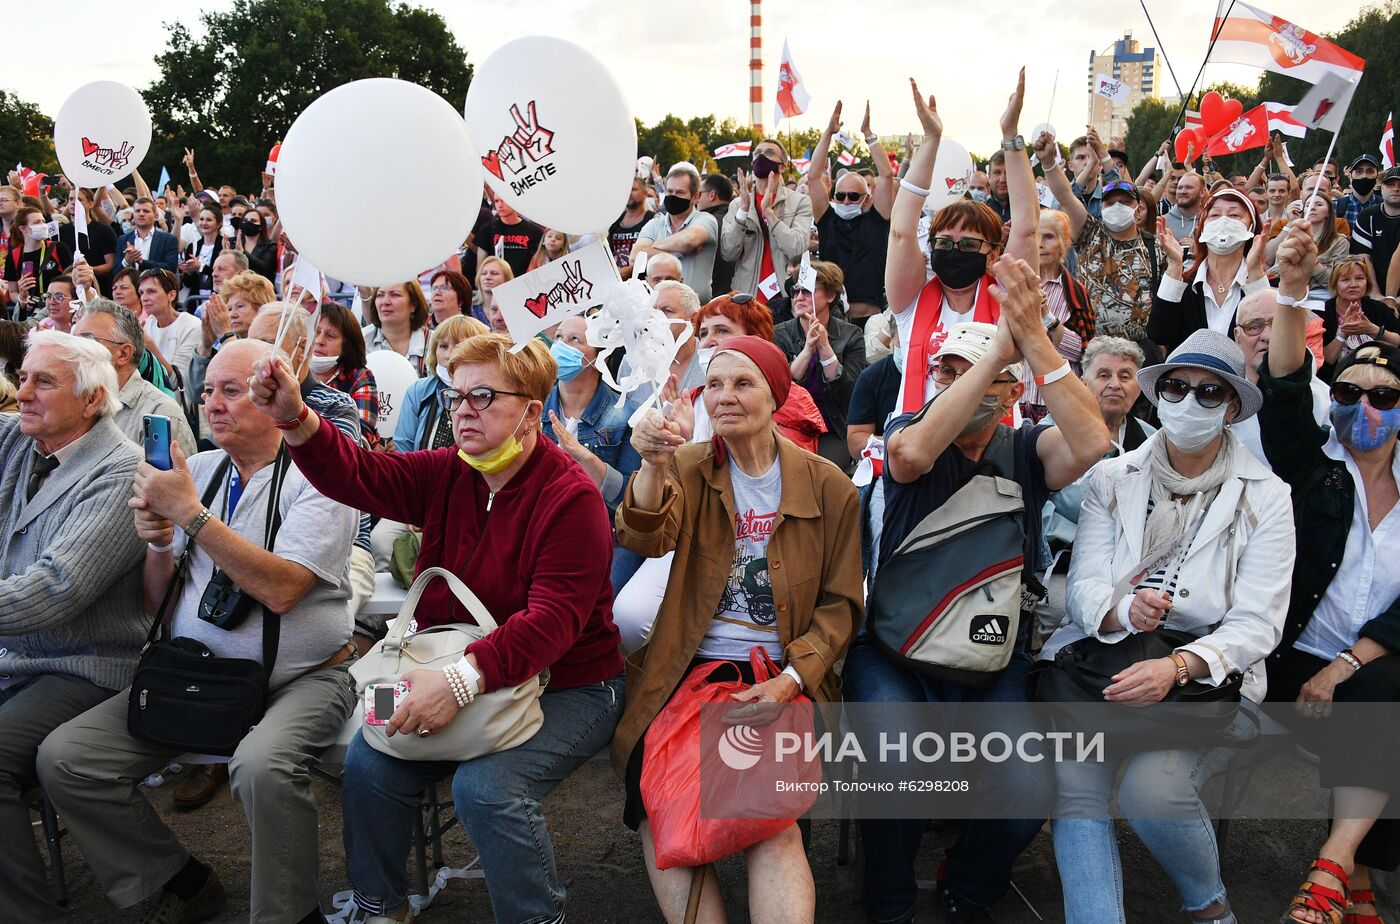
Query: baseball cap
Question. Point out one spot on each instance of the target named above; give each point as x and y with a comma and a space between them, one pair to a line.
1374, 353
1392, 174
972, 340
1366, 158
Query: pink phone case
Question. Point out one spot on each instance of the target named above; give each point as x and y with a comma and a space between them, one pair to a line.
400, 691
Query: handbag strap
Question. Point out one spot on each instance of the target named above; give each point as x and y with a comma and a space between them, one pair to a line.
177, 578
461, 591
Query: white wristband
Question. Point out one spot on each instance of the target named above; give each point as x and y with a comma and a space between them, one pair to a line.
1288, 301
1054, 375
472, 675
828, 363
170, 546
916, 190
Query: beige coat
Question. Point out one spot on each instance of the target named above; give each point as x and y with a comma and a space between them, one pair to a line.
813, 562
789, 233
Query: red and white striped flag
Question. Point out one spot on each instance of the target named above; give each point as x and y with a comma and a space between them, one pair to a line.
1252, 129
1249, 35
1193, 119
1281, 120
1388, 142
792, 97
847, 159
734, 149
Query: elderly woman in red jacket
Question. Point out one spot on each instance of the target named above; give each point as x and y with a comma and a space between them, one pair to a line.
524, 525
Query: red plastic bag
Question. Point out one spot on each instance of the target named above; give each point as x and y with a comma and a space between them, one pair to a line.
685, 779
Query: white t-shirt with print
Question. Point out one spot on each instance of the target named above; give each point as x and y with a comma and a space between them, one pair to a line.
746, 615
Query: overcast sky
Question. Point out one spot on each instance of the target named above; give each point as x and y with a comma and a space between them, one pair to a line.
669, 58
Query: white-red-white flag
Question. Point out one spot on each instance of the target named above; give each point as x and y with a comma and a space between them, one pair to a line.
1281, 120
1388, 142
792, 96
1193, 119
734, 149
1325, 105
846, 159
1249, 35
1252, 130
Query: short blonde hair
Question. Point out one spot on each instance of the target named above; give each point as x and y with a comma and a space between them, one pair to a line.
459, 328
531, 371
255, 289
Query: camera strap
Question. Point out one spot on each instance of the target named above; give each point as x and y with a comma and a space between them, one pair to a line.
272, 622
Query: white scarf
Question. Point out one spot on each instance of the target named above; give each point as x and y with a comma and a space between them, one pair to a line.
1171, 516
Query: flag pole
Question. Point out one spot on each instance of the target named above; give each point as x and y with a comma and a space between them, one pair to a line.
1186, 100
1325, 160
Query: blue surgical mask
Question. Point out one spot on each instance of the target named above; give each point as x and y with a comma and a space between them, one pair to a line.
978, 195
1362, 427
568, 358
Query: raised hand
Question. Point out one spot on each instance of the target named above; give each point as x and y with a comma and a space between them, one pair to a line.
1022, 302
656, 439
1296, 258
1096, 142
834, 125
1169, 245
1011, 118
274, 390
927, 112
1046, 151
188, 159
865, 121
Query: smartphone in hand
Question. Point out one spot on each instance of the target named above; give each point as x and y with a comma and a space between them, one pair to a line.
155, 430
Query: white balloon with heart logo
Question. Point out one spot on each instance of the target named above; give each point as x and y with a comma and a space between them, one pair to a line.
557, 138
952, 173
406, 133
102, 133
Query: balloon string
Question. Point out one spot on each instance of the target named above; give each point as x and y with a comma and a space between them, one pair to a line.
1214, 36
1053, 87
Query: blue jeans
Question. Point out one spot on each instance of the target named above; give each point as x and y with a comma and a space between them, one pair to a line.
498, 798
624, 564
1159, 797
979, 865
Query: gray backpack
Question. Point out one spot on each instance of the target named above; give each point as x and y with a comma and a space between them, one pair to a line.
948, 601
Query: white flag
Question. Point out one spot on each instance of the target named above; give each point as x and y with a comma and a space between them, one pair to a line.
1325, 105
1115, 90
792, 97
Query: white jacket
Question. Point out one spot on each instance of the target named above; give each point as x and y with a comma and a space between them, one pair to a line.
1239, 567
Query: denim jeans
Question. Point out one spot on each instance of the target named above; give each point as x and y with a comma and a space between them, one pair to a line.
624, 564
979, 865
1159, 796
498, 798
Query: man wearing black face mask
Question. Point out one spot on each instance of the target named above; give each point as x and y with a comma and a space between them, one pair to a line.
1377, 231
1363, 193
766, 226
683, 230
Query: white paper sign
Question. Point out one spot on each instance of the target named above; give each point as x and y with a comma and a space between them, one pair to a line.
847, 141
1115, 90
542, 298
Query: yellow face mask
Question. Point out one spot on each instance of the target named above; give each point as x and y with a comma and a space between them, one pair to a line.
497, 460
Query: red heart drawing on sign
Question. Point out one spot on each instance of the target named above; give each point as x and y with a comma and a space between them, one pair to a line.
492, 162
538, 305
89, 148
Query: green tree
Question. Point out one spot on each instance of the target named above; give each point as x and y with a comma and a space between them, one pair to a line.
27, 134
234, 91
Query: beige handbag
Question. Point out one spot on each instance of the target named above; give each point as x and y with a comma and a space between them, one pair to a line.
495, 721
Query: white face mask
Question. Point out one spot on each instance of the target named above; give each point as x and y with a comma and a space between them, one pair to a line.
40, 232
898, 358
1118, 216
1223, 235
323, 364
1189, 426
443, 374
705, 354
846, 210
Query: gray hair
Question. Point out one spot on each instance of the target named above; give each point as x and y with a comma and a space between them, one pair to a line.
275, 309
689, 169
240, 259
128, 324
1112, 346
689, 300
92, 366
659, 257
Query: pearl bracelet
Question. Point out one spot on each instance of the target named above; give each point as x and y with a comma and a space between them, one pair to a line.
460, 691
1351, 659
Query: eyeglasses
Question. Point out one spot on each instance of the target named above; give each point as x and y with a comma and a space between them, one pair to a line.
850, 196
57, 297
966, 245
228, 393
1208, 394
442, 289
1382, 399
1256, 326
103, 339
478, 399
947, 375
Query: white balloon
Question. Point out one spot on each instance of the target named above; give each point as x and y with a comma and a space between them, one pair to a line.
402, 133
102, 133
557, 137
952, 171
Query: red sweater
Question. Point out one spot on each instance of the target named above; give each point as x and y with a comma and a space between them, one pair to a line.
539, 559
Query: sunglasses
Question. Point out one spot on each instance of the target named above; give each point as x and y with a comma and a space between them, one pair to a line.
741, 298
478, 399
851, 196
1382, 399
1208, 394
966, 245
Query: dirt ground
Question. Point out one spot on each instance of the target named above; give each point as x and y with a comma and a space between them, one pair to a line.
601, 862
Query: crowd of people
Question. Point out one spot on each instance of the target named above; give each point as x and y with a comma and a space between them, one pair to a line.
1185, 383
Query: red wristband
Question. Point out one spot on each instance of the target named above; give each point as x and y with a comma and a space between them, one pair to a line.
293, 424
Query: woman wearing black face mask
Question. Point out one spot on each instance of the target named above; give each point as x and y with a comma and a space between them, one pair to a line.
253, 239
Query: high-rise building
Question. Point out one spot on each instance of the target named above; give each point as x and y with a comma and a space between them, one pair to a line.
1126, 61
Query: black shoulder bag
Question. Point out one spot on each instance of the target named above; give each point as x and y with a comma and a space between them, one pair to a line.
185, 698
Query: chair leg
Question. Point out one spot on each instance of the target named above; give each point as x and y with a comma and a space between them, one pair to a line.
53, 835
420, 855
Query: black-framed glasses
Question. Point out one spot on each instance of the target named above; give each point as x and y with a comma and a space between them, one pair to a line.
1382, 398
965, 245
848, 196
478, 398
1208, 394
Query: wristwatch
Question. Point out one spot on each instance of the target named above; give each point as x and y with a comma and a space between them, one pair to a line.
1183, 673
1050, 323
872, 138
198, 523
1014, 144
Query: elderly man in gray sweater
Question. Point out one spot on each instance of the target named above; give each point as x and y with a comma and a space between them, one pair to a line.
71, 619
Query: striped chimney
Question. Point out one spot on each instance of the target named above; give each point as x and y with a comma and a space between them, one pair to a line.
756, 66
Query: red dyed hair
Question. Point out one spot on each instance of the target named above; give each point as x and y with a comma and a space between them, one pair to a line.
751, 314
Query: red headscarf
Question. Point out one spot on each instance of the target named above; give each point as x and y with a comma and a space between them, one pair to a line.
770, 362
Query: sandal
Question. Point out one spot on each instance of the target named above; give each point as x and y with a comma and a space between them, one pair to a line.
1313, 896
1362, 897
